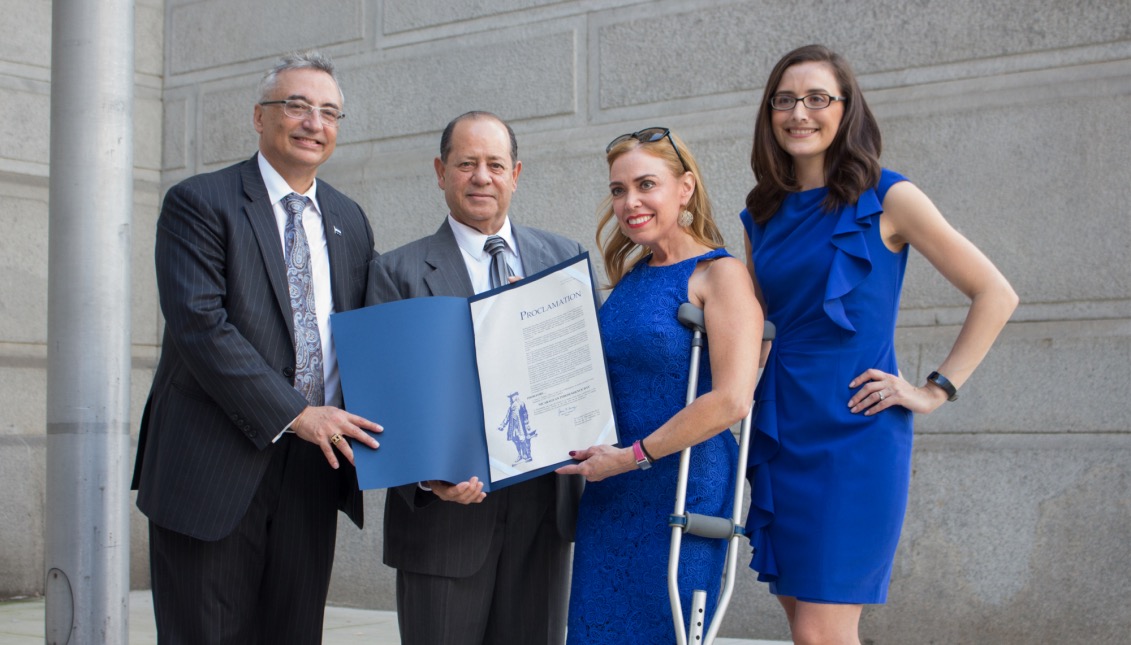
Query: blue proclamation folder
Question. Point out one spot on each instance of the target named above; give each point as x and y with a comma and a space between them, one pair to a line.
410, 365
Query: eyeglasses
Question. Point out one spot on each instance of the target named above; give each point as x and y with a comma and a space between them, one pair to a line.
301, 109
649, 135
783, 102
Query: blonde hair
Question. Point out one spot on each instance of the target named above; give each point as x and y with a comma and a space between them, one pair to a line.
619, 252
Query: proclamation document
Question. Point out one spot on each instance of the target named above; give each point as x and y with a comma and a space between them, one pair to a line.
552, 395
500, 386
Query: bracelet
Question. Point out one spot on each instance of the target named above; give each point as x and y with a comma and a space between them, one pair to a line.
944, 384
642, 460
647, 454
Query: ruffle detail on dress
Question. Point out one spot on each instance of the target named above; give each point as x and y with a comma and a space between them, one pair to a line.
851, 261
764, 445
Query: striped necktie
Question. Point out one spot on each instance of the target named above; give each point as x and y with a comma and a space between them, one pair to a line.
500, 270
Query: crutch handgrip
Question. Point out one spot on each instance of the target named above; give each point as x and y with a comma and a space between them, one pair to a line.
721, 528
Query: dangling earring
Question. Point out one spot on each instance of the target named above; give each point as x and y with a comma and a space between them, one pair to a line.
685, 218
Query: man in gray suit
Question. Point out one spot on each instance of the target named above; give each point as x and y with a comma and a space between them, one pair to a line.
472, 568
236, 465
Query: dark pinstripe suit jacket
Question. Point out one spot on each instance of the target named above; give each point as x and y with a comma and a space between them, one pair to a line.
223, 387
442, 538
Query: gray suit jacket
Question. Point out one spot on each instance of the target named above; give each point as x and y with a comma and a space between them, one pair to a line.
441, 538
223, 389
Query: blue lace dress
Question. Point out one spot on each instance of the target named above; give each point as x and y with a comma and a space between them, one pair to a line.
829, 487
620, 559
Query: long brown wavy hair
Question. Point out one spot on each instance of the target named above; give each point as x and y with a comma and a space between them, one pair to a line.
852, 163
618, 251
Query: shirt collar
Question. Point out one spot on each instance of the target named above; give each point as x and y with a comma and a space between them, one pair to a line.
472, 241
278, 188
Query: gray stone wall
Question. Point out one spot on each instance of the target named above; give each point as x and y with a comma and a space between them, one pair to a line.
1011, 116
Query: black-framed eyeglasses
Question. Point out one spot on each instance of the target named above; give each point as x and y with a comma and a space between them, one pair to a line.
818, 101
296, 109
649, 135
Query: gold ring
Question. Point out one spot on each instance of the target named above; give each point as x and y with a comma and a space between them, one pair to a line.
336, 438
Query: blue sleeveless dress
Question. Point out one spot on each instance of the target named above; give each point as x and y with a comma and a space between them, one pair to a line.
620, 559
829, 488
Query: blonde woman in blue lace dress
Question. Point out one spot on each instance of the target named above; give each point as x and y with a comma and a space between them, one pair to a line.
661, 248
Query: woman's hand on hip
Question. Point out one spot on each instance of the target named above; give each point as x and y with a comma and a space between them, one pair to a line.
880, 391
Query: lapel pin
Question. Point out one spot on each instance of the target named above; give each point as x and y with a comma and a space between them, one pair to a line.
337, 231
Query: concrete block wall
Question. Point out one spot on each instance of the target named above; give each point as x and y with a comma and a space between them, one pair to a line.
1010, 117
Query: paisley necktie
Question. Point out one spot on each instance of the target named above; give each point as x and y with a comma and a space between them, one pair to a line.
309, 378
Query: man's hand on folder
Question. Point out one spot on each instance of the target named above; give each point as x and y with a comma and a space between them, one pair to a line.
326, 426
468, 492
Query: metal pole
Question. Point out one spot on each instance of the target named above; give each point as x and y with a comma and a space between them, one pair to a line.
88, 328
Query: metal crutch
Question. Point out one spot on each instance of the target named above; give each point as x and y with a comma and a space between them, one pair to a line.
705, 525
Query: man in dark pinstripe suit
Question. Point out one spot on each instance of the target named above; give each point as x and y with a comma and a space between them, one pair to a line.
238, 471
476, 569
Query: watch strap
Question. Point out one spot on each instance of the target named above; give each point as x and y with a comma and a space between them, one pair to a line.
944, 384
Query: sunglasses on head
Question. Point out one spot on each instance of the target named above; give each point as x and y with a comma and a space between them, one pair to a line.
649, 135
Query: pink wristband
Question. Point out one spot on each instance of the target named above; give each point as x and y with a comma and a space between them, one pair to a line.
642, 460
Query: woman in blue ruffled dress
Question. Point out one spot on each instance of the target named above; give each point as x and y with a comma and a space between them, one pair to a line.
661, 248
828, 232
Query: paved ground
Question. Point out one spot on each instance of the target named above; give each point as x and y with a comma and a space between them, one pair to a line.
21, 623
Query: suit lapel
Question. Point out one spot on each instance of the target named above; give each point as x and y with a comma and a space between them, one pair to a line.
448, 276
261, 218
535, 256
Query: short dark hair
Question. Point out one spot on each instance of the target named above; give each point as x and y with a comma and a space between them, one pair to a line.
308, 59
852, 163
446, 137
